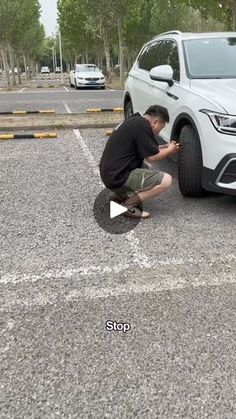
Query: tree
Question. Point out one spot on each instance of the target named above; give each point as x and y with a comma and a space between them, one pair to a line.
20, 31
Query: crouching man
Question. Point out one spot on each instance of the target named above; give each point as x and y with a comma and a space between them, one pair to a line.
122, 166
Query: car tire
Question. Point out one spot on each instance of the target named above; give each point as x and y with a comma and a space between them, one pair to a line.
128, 109
76, 86
103, 87
190, 163
71, 85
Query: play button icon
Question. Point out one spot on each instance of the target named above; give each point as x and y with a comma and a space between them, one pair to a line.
116, 209
109, 214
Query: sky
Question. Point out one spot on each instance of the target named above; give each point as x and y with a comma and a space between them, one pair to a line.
49, 15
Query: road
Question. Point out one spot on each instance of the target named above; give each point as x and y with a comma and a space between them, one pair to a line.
33, 98
58, 99
172, 279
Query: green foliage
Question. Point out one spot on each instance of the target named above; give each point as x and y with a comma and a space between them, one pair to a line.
20, 26
94, 29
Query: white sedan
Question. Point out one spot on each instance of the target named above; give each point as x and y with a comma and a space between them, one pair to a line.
86, 75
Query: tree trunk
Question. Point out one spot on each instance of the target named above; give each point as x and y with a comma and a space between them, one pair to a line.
29, 67
6, 68
33, 66
107, 53
18, 71
12, 64
121, 48
234, 15
25, 66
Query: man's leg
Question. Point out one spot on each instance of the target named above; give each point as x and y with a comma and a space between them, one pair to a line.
149, 193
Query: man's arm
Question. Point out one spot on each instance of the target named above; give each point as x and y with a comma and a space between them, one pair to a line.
168, 150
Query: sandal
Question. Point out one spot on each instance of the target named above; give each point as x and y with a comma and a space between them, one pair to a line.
135, 212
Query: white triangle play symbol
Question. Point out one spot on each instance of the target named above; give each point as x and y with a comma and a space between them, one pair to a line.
116, 209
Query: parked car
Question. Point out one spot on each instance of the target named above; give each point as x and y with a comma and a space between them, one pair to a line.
194, 76
15, 71
45, 70
86, 75
58, 70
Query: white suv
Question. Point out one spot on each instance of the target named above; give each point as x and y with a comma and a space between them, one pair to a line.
194, 76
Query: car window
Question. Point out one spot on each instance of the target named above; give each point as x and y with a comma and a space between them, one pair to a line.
211, 57
150, 56
160, 53
84, 67
170, 56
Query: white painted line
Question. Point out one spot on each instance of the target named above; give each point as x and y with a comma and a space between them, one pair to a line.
158, 286
38, 91
88, 154
157, 281
67, 108
85, 148
22, 90
67, 90
158, 265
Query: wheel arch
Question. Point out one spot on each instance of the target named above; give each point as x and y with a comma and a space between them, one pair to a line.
182, 120
127, 99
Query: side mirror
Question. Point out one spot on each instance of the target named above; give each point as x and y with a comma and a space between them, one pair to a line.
162, 73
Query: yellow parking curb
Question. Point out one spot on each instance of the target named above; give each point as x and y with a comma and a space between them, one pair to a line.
23, 136
109, 132
105, 110
27, 112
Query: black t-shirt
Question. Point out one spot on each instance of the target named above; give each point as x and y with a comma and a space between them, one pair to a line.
126, 149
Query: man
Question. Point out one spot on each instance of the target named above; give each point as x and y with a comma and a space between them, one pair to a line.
121, 165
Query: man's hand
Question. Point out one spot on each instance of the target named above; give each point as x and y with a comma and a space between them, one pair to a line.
164, 151
173, 147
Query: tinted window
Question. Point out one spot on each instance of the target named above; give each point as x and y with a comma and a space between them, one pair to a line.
84, 67
160, 53
211, 57
169, 56
150, 56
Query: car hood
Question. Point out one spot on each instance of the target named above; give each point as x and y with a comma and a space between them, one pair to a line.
92, 74
221, 91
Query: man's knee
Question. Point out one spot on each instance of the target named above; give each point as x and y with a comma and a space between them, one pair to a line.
166, 181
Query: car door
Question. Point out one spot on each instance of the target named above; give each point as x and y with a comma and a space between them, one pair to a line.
161, 93
141, 90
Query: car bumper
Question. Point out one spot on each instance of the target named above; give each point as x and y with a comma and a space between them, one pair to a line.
90, 84
223, 178
219, 158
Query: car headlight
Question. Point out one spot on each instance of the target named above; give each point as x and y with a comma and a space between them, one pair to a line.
222, 122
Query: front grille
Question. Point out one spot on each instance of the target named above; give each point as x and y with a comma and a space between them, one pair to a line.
91, 79
229, 174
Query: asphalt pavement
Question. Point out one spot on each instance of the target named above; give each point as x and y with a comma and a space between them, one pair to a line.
58, 98
62, 277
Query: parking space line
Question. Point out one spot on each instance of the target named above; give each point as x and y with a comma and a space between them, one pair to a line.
163, 280
39, 91
67, 108
22, 90
67, 90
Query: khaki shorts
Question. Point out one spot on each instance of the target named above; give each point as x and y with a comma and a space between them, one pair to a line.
141, 179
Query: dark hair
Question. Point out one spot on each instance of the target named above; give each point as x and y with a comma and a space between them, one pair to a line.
158, 111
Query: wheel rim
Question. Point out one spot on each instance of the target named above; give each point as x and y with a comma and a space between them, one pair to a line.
129, 110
